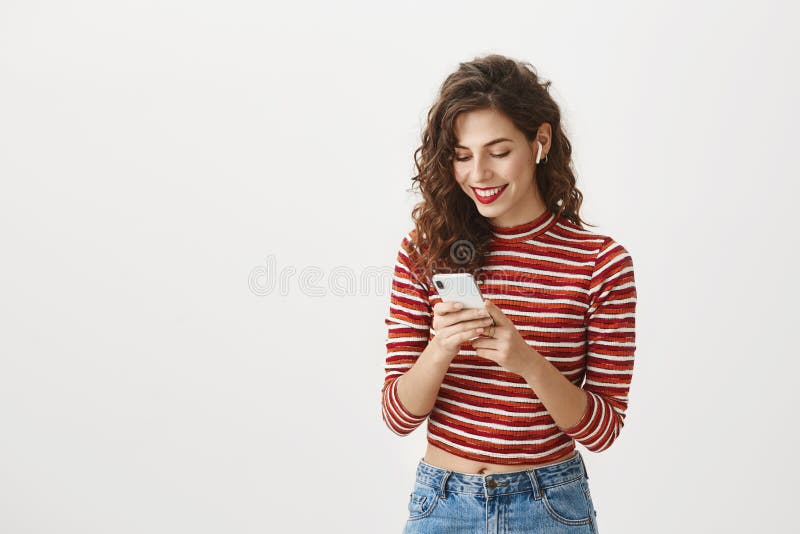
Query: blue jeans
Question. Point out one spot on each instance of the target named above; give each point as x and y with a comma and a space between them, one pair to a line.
546, 500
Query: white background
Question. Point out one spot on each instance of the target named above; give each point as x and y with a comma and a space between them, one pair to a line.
160, 160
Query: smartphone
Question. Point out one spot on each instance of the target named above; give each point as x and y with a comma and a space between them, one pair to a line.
459, 287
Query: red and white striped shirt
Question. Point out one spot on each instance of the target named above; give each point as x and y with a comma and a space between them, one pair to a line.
571, 294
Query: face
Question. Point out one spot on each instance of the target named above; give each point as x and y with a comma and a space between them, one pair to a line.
492, 153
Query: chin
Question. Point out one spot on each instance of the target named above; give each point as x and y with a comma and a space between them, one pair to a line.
489, 211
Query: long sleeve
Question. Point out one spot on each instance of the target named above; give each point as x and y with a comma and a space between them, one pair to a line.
611, 343
408, 325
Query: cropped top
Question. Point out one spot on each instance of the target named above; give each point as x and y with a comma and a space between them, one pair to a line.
570, 293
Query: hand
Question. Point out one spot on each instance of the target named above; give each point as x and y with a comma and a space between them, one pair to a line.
455, 325
504, 344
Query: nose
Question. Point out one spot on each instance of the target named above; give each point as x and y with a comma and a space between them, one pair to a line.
480, 169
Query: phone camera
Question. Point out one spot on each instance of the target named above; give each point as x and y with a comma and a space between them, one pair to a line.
439, 284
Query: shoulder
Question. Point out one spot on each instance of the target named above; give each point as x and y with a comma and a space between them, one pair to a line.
410, 244
603, 246
406, 245
409, 255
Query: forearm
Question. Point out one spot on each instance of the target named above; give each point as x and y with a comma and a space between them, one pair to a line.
418, 387
566, 402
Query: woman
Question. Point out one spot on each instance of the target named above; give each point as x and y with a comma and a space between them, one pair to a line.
504, 410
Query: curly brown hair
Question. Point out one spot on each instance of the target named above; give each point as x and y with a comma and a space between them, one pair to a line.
450, 234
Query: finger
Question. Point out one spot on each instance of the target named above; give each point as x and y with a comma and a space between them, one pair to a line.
485, 343
463, 335
443, 307
469, 334
496, 313
483, 322
463, 316
488, 334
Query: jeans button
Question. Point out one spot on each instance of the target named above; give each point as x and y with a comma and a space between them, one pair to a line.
491, 483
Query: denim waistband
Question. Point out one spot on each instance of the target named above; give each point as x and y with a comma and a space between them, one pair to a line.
527, 480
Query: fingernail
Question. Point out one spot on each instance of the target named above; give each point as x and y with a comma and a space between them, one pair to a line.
459, 305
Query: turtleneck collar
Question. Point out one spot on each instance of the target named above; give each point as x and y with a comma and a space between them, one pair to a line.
524, 231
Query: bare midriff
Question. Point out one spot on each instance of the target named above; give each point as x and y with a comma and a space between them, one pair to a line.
441, 458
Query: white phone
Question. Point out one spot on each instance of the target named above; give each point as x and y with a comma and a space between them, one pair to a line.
459, 287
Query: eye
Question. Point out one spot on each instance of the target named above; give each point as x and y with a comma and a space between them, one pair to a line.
504, 154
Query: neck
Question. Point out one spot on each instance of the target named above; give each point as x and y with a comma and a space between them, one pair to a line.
521, 214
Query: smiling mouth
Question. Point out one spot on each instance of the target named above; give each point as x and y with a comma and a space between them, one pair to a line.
489, 194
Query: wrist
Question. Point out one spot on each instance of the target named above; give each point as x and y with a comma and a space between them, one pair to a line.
536, 362
438, 355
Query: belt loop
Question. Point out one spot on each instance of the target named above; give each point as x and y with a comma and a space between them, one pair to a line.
535, 483
583, 464
442, 490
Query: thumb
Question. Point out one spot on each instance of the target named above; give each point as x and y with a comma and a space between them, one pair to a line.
498, 316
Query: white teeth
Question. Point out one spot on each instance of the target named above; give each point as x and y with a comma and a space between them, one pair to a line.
488, 193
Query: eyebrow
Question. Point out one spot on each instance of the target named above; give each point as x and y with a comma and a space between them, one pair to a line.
492, 142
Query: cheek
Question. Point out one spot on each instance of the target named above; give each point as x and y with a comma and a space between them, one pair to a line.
460, 174
515, 168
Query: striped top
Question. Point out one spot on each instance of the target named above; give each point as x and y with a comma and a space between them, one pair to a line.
571, 294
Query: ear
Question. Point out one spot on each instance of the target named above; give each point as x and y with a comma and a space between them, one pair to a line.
544, 136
